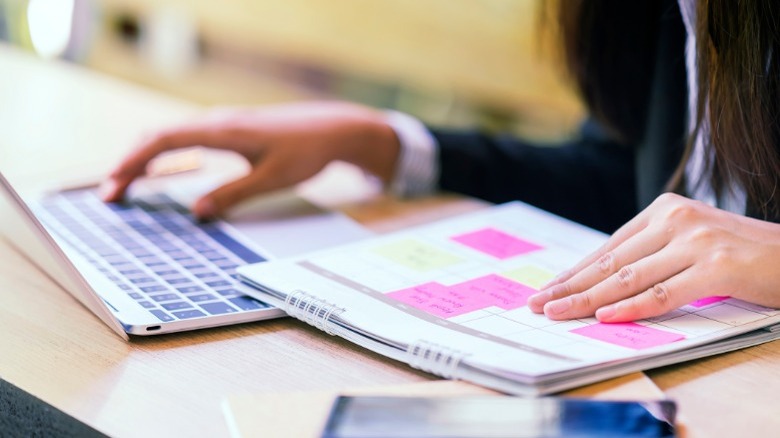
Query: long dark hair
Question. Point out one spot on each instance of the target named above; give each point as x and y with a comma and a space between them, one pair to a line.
608, 47
609, 52
739, 72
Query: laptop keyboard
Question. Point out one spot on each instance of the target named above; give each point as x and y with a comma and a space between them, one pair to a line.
156, 251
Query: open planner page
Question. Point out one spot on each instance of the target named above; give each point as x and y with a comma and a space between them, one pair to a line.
462, 284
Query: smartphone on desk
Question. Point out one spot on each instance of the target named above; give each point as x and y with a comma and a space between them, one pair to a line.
498, 417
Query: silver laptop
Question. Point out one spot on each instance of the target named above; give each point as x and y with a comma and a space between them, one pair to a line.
144, 266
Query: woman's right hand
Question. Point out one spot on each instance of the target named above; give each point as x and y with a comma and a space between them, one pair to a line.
284, 145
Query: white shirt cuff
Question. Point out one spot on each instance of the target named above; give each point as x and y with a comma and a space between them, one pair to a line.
418, 164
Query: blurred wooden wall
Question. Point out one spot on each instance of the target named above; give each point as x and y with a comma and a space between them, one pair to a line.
483, 55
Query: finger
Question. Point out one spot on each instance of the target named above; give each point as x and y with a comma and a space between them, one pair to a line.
134, 164
658, 299
634, 248
629, 229
263, 178
630, 280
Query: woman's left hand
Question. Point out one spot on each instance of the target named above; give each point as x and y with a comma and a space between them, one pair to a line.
674, 252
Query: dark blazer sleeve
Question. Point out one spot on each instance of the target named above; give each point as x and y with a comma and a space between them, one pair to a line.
590, 180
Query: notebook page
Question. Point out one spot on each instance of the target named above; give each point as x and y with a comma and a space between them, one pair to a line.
463, 284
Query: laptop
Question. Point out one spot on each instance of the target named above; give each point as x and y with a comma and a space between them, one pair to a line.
146, 266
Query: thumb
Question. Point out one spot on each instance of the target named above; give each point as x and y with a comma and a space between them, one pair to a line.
224, 197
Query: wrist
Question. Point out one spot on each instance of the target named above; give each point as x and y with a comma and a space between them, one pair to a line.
372, 144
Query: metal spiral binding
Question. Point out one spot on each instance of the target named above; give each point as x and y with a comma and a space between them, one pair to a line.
311, 310
434, 358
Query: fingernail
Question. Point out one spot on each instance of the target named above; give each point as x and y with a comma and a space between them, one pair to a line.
550, 283
558, 278
205, 208
540, 297
558, 306
107, 190
606, 313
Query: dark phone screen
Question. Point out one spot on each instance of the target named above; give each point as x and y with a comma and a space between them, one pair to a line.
498, 417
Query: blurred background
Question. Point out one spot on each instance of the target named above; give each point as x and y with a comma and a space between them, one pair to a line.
449, 62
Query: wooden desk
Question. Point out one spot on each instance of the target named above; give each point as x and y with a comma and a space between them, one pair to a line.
58, 117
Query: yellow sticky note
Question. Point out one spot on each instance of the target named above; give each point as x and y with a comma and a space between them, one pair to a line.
530, 275
417, 255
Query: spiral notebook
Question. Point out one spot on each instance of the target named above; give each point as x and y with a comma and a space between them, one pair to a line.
450, 297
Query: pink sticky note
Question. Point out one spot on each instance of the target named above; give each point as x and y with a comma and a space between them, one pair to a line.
496, 243
701, 302
495, 290
628, 334
438, 300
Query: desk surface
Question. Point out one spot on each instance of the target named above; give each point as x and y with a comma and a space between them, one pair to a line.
57, 351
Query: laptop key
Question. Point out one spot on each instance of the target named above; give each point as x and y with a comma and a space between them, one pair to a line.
166, 271
246, 303
165, 297
176, 305
130, 271
162, 316
190, 289
152, 289
201, 298
219, 283
218, 308
142, 280
187, 314
180, 280
228, 292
